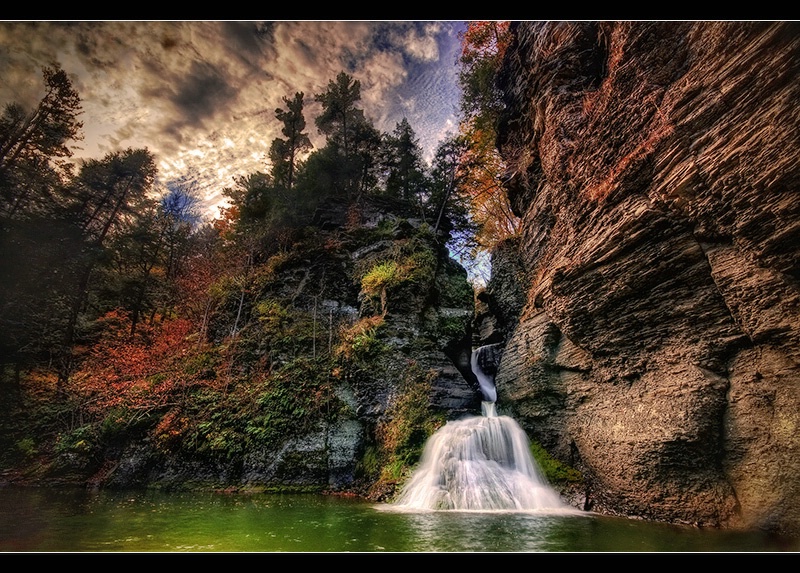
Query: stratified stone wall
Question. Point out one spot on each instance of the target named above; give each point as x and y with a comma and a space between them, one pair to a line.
655, 166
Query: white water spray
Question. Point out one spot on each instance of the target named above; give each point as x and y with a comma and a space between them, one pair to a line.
479, 463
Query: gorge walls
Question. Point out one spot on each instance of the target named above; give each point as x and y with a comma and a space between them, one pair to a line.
657, 344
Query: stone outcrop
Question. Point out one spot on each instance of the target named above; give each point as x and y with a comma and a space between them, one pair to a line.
655, 168
408, 326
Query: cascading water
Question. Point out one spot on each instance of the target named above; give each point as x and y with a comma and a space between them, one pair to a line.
479, 463
483, 374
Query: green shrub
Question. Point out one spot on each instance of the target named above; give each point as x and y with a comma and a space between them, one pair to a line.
380, 277
202, 364
360, 341
80, 440
118, 423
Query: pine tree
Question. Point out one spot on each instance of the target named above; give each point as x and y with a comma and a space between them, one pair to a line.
404, 164
285, 153
32, 143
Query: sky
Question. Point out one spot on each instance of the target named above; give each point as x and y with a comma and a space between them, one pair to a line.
201, 95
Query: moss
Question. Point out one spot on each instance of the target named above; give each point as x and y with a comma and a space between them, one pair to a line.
419, 267
555, 471
370, 463
405, 262
282, 331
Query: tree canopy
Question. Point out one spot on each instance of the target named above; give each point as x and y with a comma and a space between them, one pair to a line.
483, 45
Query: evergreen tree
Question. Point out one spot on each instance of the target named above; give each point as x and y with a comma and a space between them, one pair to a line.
113, 193
352, 141
340, 116
112, 189
285, 153
405, 169
367, 144
126, 278
33, 142
146, 256
252, 196
180, 214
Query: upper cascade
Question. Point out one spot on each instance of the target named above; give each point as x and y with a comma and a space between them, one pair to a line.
484, 362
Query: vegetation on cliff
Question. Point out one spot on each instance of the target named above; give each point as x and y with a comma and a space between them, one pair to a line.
137, 337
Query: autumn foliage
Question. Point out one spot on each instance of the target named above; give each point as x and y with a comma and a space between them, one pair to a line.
483, 46
139, 372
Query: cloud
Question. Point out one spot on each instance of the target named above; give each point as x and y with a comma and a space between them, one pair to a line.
421, 41
197, 94
201, 95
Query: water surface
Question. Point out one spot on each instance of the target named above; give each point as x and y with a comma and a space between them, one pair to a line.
70, 520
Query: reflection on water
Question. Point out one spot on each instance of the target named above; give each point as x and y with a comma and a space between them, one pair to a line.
34, 520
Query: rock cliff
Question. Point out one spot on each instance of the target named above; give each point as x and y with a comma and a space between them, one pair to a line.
351, 346
655, 167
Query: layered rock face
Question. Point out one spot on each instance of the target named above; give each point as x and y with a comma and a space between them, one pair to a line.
655, 167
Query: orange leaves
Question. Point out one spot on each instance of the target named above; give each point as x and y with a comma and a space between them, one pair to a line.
480, 173
484, 44
171, 337
135, 371
170, 430
484, 39
226, 222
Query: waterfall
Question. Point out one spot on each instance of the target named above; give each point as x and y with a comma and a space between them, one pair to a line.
479, 463
484, 371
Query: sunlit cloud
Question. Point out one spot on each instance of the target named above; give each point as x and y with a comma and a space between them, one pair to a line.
202, 95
